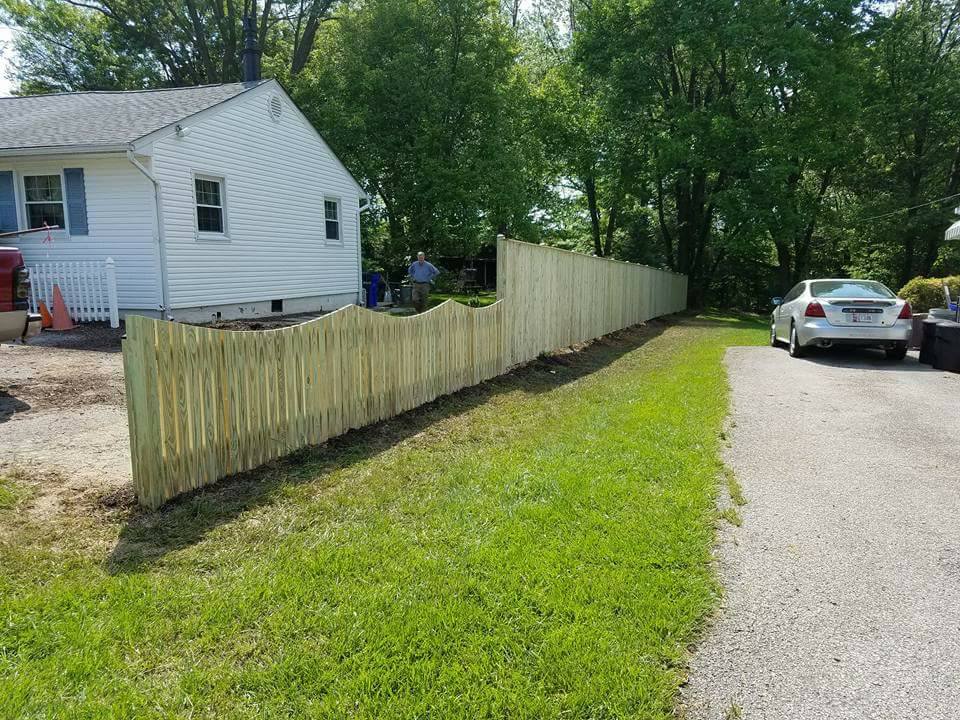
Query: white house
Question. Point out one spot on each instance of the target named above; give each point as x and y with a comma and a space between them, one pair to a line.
214, 201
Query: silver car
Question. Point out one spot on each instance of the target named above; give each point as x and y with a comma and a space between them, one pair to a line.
822, 313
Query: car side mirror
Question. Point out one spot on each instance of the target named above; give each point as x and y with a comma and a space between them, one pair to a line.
777, 301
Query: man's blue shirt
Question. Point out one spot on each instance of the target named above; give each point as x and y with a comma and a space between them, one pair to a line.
422, 272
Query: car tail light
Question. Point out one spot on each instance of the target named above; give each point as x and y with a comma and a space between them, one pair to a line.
21, 287
906, 312
814, 309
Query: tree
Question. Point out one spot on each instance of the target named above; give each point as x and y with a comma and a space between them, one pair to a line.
912, 131
675, 89
425, 100
146, 42
61, 47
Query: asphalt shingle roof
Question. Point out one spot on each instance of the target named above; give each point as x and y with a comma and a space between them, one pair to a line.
103, 118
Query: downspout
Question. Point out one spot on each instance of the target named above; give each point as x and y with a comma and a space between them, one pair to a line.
361, 300
161, 247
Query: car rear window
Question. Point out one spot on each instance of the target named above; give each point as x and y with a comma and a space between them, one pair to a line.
850, 289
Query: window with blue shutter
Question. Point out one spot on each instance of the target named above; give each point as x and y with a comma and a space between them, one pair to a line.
8, 203
76, 200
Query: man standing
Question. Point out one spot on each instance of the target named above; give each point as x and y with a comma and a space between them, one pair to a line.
422, 273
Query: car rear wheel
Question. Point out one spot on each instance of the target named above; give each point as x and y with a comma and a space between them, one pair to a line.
796, 349
897, 352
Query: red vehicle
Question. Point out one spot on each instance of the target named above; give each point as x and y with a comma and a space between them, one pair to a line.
16, 320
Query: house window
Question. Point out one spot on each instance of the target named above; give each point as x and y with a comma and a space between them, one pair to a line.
43, 197
209, 197
331, 212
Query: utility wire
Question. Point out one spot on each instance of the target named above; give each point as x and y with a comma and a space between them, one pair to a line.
908, 209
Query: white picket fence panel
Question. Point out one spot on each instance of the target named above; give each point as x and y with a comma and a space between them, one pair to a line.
89, 289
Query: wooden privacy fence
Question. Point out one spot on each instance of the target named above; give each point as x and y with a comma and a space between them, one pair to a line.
558, 298
204, 404
89, 289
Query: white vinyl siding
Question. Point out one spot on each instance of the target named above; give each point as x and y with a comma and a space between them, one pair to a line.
120, 216
277, 174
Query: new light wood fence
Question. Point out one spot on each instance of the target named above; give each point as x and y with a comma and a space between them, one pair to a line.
556, 298
204, 404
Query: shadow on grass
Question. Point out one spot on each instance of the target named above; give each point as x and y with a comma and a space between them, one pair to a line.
149, 535
732, 320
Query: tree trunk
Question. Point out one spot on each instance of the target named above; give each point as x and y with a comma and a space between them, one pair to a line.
665, 235
304, 46
784, 267
802, 258
612, 214
200, 36
590, 184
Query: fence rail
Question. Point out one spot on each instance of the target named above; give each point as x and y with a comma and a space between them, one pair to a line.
89, 289
204, 404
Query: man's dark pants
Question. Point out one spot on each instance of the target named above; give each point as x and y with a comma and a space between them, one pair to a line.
421, 296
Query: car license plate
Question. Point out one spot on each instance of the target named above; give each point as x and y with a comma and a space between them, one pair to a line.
863, 317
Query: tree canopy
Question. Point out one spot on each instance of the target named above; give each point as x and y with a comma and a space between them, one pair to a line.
747, 145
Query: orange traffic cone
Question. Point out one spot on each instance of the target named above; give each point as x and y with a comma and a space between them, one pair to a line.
61, 317
45, 316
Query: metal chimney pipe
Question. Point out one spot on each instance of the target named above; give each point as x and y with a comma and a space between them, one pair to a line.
250, 57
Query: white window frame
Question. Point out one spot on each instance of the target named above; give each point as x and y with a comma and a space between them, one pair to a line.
206, 234
339, 220
24, 203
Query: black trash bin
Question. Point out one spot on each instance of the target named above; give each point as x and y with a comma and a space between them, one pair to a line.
946, 351
928, 340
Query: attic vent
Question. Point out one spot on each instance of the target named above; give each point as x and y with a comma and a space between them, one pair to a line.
274, 107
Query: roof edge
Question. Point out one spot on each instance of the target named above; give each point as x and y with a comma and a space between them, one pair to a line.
251, 83
64, 150
139, 142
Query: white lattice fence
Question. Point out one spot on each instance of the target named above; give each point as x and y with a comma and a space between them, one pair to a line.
89, 289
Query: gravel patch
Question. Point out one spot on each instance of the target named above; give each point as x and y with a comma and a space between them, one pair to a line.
843, 585
63, 420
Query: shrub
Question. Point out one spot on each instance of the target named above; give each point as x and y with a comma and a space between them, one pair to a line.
446, 281
925, 293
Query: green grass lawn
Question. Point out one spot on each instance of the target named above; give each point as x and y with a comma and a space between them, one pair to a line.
480, 299
537, 547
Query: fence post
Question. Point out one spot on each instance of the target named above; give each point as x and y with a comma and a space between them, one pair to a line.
112, 292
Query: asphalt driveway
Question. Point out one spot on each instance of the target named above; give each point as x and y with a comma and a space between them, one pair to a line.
843, 584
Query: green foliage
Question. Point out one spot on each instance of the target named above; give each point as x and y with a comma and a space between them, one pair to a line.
536, 548
124, 44
61, 47
424, 99
911, 136
925, 293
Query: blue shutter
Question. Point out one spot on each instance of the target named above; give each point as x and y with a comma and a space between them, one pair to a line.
76, 200
8, 202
